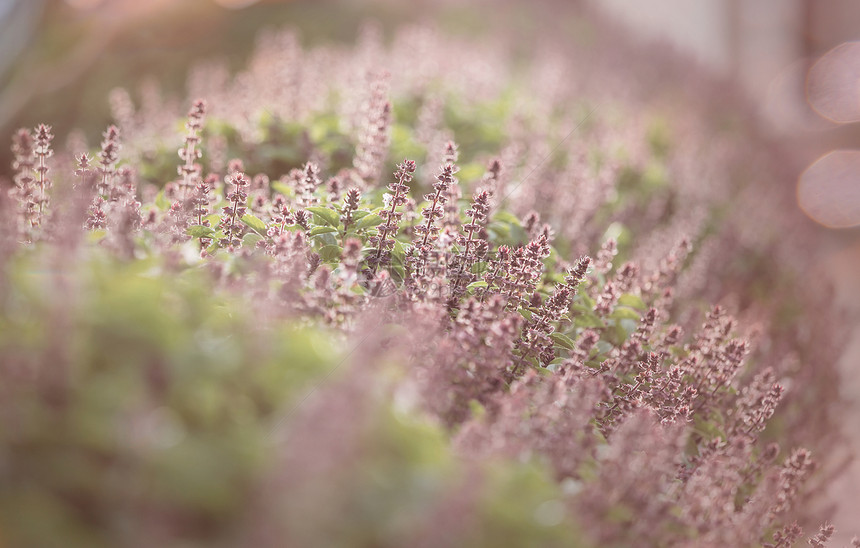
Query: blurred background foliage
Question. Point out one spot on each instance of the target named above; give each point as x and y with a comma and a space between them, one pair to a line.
76, 56
77, 51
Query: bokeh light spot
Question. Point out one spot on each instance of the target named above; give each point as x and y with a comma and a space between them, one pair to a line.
785, 108
829, 190
833, 84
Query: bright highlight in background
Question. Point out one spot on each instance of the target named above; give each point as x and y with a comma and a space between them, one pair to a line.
833, 84
829, 190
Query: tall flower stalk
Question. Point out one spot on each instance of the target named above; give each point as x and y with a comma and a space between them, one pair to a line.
108, 158
429, 230
231, 214
24, 192
42, 152
374, 140
535, 341
473, 244
190, 152
384, 239
350, 206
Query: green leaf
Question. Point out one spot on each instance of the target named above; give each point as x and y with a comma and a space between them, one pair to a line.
706, 428
254, 224
499, 230
324, 239
553, 365
624, 313
633, 301
213, 247
563, 340
544, 371
518, 235
368, 221
583, 302
283, 188
330, 253
200, 231
398, 254
325, 214
603, 347
506, 217
250, 239
322, 230
475, 285
478, 411
471, 171
161, 201
214, 219
588, 320
479, 268
96, 235
628, 325
398, 258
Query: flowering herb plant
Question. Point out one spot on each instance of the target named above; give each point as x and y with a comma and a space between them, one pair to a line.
376, 310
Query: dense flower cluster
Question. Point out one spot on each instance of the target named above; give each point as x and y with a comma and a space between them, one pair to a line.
650, 421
